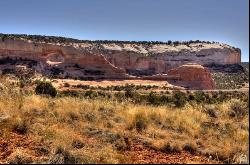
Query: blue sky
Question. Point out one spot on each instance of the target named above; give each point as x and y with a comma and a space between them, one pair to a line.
224, 21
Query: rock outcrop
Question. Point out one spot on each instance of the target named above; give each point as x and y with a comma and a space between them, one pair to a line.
139, 59
56, 60
69, 58
191, 76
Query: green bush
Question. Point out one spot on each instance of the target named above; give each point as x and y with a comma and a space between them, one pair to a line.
46, 88
179, 99
201, 97
152, 98
191, 97
129, 92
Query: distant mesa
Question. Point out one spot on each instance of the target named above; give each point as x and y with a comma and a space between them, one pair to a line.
60, 57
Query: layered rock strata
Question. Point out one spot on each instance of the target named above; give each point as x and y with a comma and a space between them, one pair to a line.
59, 61
109, 60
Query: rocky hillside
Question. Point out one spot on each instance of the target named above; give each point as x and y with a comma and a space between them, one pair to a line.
66, 57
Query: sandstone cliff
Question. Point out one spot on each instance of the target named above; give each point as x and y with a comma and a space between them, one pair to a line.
161, 58
60, 61
109, 59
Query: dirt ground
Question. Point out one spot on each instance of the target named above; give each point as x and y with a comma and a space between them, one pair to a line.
29, 150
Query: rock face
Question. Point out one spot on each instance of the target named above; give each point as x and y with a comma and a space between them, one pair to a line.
191, 76
59, 61
69, 58
161, 58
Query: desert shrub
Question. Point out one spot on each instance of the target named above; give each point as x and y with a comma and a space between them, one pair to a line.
90, 94
211, 111
179, 99
129, 92
176, 43
166, 148
23, 83
104, 94
200, 97
119, 96
190, 147
70, 93
222, 96
20, 126
140, 121
37, 81
232, 156
155, 99
170, 147
152, 98
123, 144
8, 71
46, 88
191, 97
176, 148
73, 115
90, 117
81, 86
120, 145
155, 118
211, 100
165, 99
238, 109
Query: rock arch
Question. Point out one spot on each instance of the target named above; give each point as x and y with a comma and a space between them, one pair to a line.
55, 58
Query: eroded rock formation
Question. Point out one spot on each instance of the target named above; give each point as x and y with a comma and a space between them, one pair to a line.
69, 58
56, 60
159, 58
191, 76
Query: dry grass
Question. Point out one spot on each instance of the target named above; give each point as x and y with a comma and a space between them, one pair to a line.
79, 130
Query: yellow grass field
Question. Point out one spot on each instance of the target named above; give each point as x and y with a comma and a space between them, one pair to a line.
41, 129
